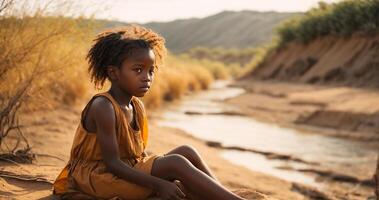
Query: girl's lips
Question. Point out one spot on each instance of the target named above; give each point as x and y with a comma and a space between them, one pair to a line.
144, 88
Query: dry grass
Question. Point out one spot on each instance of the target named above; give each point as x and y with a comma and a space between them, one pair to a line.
52, 49
41, 62
178, 76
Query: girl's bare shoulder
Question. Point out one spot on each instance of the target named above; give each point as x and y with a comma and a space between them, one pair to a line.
101, 105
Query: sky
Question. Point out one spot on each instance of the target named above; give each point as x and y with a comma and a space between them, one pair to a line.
142, 11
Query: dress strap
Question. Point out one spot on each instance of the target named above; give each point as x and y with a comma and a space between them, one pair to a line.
118, 111
142, 119
113, 101
115, 105
110, 98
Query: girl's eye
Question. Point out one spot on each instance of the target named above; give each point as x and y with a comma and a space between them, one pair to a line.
138, 70
152, 69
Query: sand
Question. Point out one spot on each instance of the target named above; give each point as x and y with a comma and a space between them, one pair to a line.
50, 134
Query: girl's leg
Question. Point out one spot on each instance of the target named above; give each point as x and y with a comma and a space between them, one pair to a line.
189, 195
194, 157
177, 167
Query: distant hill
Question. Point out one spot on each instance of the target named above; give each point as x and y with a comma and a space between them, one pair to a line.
228, 29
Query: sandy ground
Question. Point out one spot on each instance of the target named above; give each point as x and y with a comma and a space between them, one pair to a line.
50, 134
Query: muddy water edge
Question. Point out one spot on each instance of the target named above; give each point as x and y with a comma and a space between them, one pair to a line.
317, 164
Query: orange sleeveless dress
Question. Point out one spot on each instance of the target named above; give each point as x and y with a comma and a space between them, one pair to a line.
85, 175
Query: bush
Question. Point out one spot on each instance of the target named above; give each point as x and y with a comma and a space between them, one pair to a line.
341, 18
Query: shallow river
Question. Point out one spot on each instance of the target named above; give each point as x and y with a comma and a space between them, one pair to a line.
332, 153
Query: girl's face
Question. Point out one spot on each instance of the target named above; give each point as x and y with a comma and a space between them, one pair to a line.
136, 72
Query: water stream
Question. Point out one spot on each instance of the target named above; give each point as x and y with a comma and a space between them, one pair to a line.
246, 132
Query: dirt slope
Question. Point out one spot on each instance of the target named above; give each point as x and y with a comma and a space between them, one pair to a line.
351, 61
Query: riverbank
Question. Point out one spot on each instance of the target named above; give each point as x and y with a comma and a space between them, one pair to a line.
51, 129
342, 112
338, 111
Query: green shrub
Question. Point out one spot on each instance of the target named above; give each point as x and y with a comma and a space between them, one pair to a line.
341, 18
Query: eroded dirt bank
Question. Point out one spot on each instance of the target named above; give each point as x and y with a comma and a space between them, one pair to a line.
350, 61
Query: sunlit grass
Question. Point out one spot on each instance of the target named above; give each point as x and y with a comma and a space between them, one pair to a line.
62, 69
178, 76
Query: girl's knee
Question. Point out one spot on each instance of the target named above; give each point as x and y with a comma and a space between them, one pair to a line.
178, 159
189, 151
173, 166
170, 164
177, 162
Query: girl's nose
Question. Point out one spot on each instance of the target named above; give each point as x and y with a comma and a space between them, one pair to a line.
147, 77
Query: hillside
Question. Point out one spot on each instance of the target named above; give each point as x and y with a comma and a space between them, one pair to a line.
220, 30
226, 29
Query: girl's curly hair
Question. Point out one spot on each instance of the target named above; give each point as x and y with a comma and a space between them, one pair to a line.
111, 47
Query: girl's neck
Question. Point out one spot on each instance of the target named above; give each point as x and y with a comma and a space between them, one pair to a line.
122, 98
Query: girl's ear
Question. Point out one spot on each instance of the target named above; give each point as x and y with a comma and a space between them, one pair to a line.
112, 72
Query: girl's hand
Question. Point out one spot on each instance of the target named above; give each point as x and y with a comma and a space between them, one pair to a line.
168, 191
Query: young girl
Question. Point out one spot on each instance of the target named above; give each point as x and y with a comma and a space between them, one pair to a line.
107, 159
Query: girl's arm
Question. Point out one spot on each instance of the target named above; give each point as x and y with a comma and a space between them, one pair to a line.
106, 135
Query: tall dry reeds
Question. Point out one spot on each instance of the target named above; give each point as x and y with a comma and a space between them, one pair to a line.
41, 66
